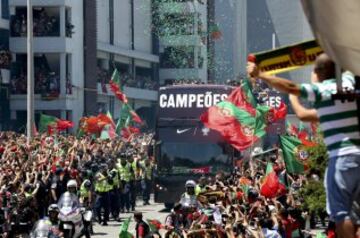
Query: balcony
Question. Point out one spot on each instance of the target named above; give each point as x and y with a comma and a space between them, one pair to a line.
131, 92
46, 75
144, 78
41, 2
52, 29
46, 22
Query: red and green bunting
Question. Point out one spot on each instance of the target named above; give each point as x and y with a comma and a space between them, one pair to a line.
52, 124
295, 154
272, 186
239, 123
115, 87
127, 121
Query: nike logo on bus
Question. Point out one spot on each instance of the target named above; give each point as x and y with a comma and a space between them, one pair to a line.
182, 131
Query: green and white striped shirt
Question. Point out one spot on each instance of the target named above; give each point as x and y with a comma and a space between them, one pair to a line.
338, 120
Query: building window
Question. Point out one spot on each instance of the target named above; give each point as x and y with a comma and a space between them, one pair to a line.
5, 9
46, 22
47, 75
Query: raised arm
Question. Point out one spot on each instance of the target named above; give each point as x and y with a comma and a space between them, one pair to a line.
281, 84
304, 114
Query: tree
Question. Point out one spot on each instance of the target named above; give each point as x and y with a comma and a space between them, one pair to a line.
313, 191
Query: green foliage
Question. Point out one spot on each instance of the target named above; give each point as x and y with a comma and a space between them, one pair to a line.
314, 197
313, 192
318, 159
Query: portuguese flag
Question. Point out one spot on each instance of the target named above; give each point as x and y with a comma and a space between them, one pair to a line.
126, 124
115, 87
52, 124
237, 126
238, 122
295, 154
271, 186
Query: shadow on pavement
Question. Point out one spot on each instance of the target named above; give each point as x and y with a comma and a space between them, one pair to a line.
100, 233
165, 210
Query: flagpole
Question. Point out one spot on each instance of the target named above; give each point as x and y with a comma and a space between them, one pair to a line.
252, 146
30, 73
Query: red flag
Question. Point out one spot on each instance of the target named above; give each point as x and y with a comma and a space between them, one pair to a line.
64, 125
105, 120
280, 113
272, 187
115, 88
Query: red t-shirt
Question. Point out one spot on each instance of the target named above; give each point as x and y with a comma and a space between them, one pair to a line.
141, 231
289, 225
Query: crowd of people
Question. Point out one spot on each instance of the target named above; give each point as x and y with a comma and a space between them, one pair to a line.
127, 80
231, 205
46, 82
44, 25
107, 176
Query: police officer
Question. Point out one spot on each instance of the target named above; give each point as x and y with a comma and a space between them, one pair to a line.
146, 180
114, 184
125, 172
201, 186
133, 178
102, 199
189, 199
54, 222
85, 193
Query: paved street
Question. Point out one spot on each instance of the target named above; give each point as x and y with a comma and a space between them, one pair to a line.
153, 211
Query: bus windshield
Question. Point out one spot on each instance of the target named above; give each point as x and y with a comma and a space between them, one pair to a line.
193, 158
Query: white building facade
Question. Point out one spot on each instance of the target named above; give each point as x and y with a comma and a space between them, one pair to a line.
125, 41
58, 59
67, 85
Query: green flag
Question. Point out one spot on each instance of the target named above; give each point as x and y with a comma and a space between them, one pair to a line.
269, 168
125, 118
46, 121
116, 77
124, 229
249, 96
295, 154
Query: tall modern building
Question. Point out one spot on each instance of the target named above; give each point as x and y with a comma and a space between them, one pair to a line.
182, 30
277, 23
5, 61
125, 41
229, 57
77, 45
